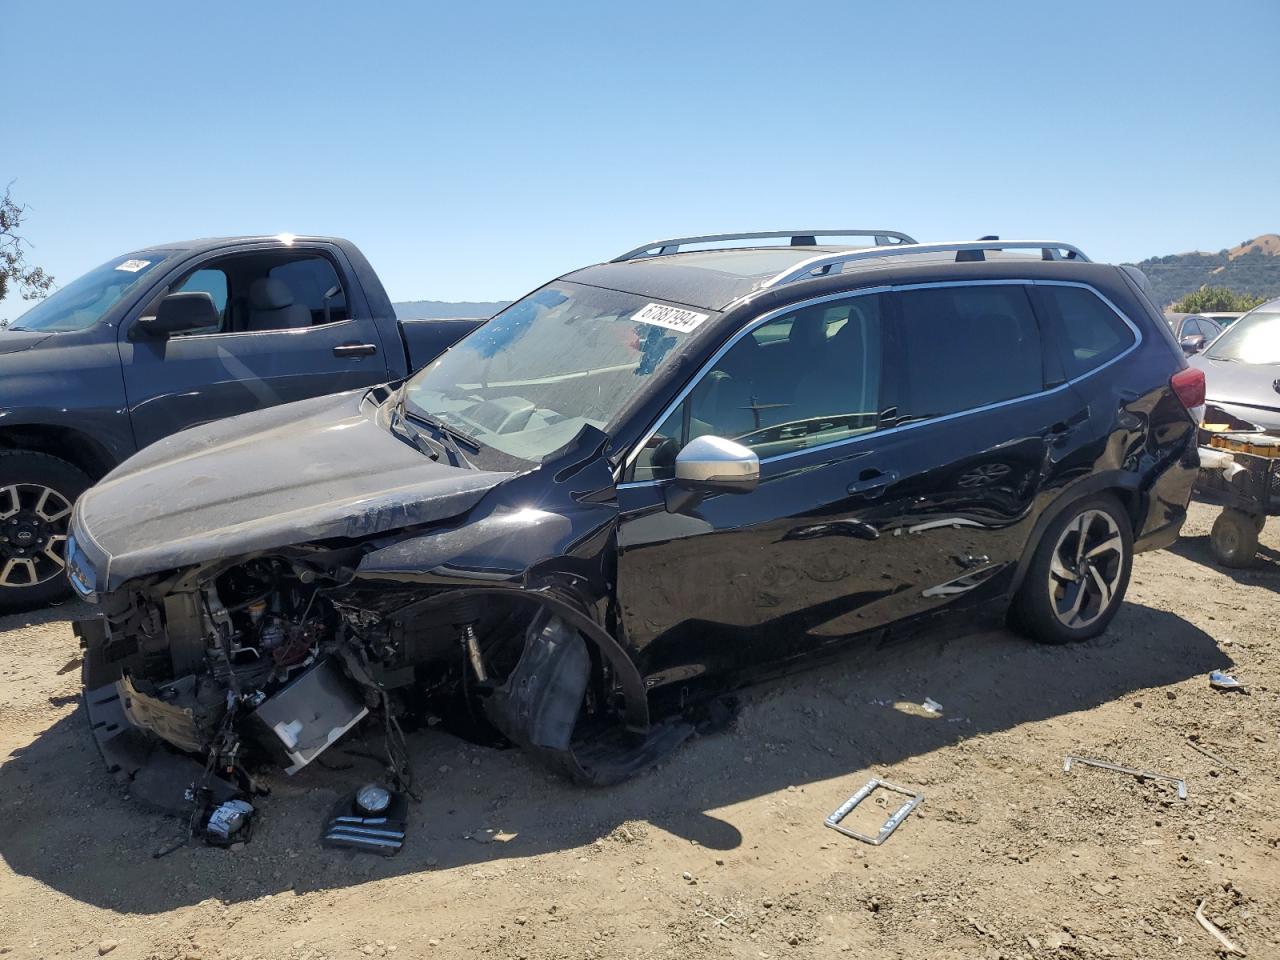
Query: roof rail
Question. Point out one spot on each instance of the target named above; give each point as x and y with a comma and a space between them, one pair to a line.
799, 238
964, 250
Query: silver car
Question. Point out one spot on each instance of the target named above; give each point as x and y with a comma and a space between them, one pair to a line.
1242, 372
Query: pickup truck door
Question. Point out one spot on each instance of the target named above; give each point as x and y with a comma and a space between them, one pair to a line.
183, 381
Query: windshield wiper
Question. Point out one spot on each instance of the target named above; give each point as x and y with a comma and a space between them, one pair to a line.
448, 436
406, 432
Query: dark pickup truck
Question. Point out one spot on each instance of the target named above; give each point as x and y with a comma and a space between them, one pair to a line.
165, 338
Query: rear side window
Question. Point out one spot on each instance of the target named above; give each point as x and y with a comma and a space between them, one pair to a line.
1091, 332
314, 284
965, 347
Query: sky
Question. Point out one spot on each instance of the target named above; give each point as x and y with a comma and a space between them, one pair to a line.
476, 150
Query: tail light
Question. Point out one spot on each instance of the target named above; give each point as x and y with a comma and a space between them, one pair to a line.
1188, 384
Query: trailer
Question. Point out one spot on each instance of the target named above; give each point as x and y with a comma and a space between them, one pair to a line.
1241, 473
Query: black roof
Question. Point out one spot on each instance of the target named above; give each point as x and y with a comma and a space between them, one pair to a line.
205, 244
716, 279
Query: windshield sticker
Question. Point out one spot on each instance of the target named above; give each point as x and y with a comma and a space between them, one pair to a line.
673, 318
133, 266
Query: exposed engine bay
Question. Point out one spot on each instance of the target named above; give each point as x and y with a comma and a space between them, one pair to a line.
268, 661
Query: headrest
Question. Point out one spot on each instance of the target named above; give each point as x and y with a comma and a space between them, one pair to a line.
268, 293
808, 329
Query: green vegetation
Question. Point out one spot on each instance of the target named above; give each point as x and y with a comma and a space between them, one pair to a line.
33, 282
1217, 300
1246, 269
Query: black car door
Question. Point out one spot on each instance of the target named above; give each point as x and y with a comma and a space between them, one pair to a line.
741, 579
265, 352
984, 426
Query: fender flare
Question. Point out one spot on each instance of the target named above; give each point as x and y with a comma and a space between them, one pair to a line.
636, 709
1127, 485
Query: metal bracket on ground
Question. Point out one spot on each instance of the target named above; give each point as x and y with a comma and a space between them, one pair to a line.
1140, 774
890, 825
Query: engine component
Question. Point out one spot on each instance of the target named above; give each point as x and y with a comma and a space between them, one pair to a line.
185, 631
230, 822
304, 719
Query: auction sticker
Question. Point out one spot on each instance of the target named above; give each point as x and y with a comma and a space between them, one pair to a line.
133, 266
673, 318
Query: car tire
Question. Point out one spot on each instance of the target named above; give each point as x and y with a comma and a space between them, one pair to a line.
1233, 541
1078, 575
36, 494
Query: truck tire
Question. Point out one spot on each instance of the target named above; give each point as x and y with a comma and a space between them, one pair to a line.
1078, 575
36, 495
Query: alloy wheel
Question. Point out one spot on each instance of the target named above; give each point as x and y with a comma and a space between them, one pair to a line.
1084, 574
33, 534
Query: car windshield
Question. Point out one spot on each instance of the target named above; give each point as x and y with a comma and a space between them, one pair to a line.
1254, 338
83, 302
526, 382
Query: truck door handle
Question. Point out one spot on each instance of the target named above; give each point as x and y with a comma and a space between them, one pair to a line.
872, 482
355, 350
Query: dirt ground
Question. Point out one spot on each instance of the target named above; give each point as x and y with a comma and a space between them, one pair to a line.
721, 851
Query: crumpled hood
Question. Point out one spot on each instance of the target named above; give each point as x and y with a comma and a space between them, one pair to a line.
286, 475
15, 341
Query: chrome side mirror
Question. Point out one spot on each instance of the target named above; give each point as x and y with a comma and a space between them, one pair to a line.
1192, 344
711, 464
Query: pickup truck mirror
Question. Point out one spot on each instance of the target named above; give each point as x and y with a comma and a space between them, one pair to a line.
181, 313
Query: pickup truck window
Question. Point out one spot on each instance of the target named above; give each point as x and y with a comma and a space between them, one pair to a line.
567, 355
83, 302
314, 284
212, 281
272, 290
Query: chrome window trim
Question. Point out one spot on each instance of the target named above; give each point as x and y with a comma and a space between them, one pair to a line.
868, 291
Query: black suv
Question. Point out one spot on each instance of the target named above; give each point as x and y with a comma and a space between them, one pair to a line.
635, 489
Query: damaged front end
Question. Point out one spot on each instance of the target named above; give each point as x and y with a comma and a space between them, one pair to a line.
199, 679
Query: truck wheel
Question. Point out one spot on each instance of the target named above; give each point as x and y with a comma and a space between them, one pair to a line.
1233, 541
1078, 575
36, 494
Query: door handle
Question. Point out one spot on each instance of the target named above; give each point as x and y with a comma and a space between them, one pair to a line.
355, 350
1064, 428
872, 482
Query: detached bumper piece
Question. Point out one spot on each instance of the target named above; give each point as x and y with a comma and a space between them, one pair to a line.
359, 825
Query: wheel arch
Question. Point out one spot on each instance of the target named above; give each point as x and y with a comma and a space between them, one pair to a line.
1122, 485
66, 443
635, 695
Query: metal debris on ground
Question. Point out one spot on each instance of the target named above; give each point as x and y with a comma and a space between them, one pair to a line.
1225, 681
1140, 774
931, 705
230, 822
890, 825
1212, 756
1212, 929
718, 921
371, 820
